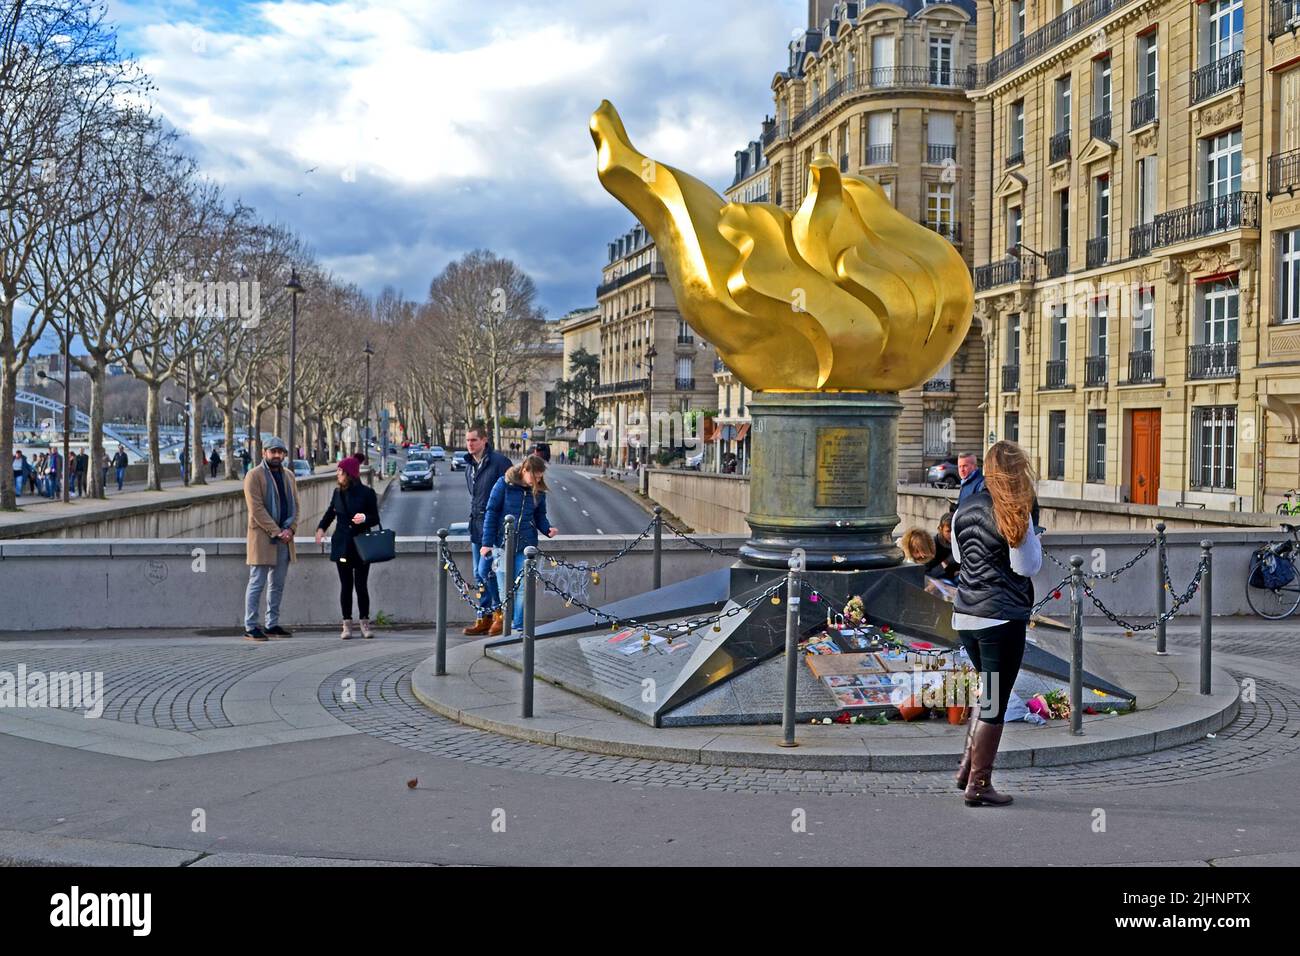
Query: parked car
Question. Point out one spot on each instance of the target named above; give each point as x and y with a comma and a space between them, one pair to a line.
301, 468
459, 460
438, 453
943, 475
416, 474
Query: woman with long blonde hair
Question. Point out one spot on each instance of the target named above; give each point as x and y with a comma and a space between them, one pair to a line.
996, 543
521, 492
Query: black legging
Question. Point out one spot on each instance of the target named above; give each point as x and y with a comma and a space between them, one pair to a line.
354, 573
996, 650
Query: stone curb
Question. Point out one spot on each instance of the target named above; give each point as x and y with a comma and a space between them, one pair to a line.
565, 720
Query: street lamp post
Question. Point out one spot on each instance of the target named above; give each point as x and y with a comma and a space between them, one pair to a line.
365, 431
295, 288
650, 354
185, 419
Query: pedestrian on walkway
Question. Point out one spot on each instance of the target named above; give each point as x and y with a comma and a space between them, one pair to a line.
484, 467
245, 456
120, 462
83, 469
215, 461
997, 546
356, 507
521, 492
972, 479
53, 473
271, 495
20, 472
103, 471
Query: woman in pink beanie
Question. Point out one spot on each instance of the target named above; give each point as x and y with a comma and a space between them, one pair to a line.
357, 510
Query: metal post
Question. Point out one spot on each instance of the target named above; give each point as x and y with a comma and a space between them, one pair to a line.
791, 652
508, 594
659, 547
441, 647
1076, 647
1207, 609
1161, 557
530, 620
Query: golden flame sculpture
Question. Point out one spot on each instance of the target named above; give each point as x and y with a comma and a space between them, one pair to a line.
847, 294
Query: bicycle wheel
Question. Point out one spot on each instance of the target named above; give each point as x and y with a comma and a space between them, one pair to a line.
1275, 603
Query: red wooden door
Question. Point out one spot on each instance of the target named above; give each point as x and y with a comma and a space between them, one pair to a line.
1144, 469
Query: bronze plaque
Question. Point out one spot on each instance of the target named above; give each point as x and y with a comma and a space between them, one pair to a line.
841, 468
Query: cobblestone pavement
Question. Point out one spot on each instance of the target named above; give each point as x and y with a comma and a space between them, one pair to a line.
1265, 732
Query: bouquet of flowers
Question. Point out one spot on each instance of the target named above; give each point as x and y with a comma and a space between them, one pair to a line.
854, 612
1053, 705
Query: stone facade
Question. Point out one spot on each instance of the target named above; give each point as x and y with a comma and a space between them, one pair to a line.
1144, 347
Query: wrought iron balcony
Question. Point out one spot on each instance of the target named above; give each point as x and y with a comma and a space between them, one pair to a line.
1000, 273
1218, 360
1016, 158
1058, 148
938, 385
1233, 211
880, 155
936, 154
1055, 373
877, 78
685, 338
1283, 17
1094, 370
628, 385
1223, 74
1284, 171
685, 384
1070, 23
949, 230
655, 268
1058, 262
1139, 240
1097, 253
1141, 365
777, 131
1143, 109
1100, 126
1011, 378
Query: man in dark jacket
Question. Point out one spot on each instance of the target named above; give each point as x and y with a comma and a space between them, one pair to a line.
972, 479
483, 468
82, 470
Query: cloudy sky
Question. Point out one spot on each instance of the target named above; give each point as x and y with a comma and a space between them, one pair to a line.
432, 127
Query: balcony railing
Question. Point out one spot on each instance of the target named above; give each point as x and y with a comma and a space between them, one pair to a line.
936, 154
1141, 365
878, 78
938, 385
1284, 171
1100, 126
1000, 273
1218, 360
1058, 148
1094, 370
1222, 74
719, 366
1144, 109
1098, 252
685, 338
685, 384
628, 385
1070, 23
1058, 262
1233, 211
777, 131
1016, 158
1139, 240
949, 230
1011, 378
656, 268
880, 155
1055, 374
1283, 17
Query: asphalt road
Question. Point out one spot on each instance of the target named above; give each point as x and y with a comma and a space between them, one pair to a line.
577, 504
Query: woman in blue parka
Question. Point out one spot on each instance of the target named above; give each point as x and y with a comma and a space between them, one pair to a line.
521, 492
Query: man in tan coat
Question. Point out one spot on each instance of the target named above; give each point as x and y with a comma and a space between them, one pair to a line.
271, 495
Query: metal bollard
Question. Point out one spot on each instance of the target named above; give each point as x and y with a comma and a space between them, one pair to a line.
530, 621
791, 652
659, 547
1076, 647
508, 595
1207, 609
1161, 557
440, 659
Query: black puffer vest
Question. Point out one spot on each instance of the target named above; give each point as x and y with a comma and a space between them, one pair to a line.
986, 585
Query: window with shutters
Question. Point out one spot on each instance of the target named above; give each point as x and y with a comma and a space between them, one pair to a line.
1096, 446
1146, 186
1214, 447
882, 60
1056, 446
1148, 62
1288, 106
1011, 426
1063, 105
938, 443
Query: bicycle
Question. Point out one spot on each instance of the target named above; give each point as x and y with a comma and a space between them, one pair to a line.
1273, 581
1286, 508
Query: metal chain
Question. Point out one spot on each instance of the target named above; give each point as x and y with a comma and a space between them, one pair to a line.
464, 590
553, 561
1179, 601
1106, 575
1053, 595
725, 552
677, 629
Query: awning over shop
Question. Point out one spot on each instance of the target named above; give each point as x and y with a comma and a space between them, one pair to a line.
742, 431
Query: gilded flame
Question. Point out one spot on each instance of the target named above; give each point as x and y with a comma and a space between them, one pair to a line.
845, 295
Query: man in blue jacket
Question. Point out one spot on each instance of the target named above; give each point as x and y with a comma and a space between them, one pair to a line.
972, 479
482, 470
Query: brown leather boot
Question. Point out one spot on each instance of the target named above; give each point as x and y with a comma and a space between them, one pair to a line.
480, 626
498, 624
983, 751
963, 768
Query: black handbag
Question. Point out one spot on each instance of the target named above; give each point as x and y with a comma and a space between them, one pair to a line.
375, 546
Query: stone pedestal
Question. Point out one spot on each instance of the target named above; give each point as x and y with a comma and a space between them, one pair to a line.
823, 478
